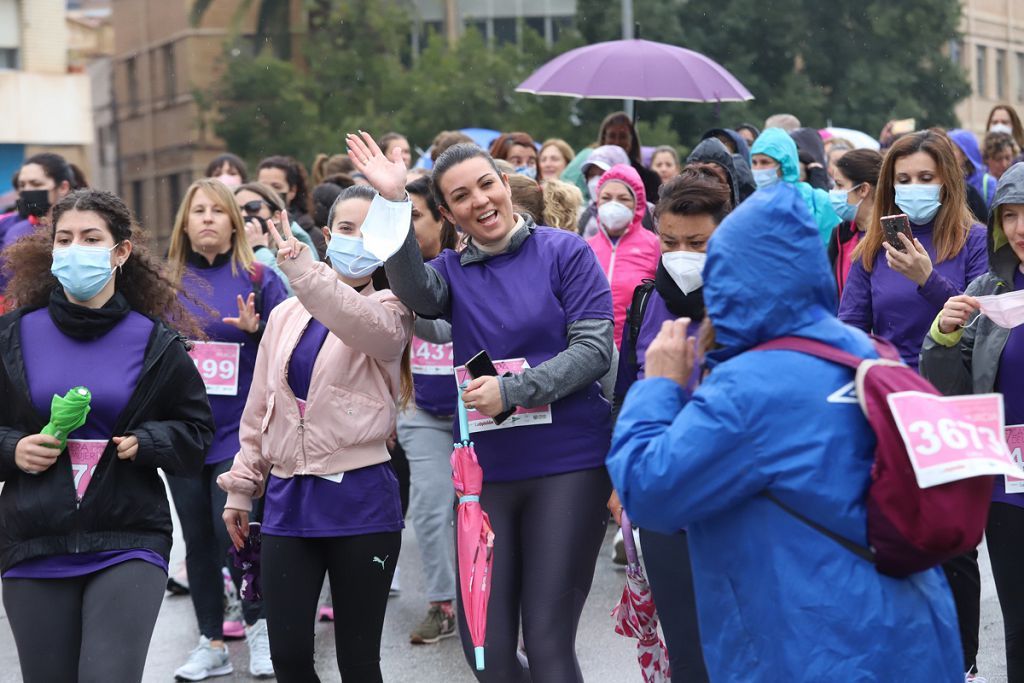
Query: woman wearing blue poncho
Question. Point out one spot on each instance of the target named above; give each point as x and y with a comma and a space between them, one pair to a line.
774, 158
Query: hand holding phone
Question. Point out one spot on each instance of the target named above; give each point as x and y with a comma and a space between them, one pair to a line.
480, 365
892, 226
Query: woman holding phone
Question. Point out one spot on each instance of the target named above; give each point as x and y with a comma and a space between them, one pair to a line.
537, 302
896, 293
331, 368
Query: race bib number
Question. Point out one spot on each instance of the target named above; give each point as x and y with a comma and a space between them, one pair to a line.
478, 422
950, 438
1015, 442
85, 455
217, 362
431, 359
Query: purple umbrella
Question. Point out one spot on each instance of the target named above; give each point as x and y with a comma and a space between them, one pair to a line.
636, 70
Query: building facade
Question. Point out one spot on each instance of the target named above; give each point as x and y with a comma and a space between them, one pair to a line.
992, 54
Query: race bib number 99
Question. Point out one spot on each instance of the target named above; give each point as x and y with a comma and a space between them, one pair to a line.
217, 362
950, 438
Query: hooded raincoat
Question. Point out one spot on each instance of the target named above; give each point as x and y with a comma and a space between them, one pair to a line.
976, 175
711, 150
777, 600
776, 143
740, 159
634, 255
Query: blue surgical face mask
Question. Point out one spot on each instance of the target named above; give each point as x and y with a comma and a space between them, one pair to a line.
766, 177
528, 171
82, 271
350, 258
919, 202
840, 202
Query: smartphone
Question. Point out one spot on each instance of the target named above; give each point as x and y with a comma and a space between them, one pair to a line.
892, 226
480, 365
903, 126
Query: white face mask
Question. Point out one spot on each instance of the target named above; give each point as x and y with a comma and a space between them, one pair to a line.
614, 217
1005, 310
1000, 128
685, 267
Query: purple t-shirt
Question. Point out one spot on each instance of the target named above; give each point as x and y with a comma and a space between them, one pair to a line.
894, 308
109, 367
1011, 370
12, 228
519, 305
655, 314
219, 288
365, 501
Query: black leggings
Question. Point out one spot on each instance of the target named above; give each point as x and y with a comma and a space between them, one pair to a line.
667, 560
1004, 533
964, 578
86, 628
547, 535
360, 569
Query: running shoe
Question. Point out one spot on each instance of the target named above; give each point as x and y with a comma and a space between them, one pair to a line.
256, 636
434, 627
974, 677
619, 549
205, 662
178, 583
395, 587
326, 613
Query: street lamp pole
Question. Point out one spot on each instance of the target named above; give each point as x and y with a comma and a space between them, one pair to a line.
627, 34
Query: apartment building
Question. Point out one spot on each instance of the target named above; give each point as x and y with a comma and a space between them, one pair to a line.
992, 53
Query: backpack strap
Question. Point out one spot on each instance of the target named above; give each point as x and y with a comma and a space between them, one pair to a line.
635, 317
811, 347
855, 548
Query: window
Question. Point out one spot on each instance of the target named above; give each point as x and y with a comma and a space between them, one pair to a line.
980, 84
956, 52
1020, 76
174, 193
8, 58
169, 72
1000, 75
137, 201
132, 76
505, 30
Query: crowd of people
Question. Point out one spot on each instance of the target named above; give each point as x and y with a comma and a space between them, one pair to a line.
293, 366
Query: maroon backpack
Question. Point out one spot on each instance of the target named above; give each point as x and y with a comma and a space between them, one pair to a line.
910, 529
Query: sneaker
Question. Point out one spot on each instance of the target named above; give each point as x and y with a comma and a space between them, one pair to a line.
395, 587
178, 583
619, 549
326, 613
204, 662
435, 626
970, 677
256, 636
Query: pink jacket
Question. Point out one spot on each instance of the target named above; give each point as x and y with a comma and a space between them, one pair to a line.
350, 409
634, 256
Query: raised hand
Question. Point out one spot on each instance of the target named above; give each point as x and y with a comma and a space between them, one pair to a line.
254, 234
248, 319
387, 176
288, 245
672, 353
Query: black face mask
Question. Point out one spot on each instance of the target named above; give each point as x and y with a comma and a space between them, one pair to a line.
33, 203
683, 305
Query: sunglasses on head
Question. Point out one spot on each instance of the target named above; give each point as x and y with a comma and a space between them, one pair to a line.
253, 207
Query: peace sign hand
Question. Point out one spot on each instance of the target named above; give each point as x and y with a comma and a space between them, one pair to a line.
387, 176
288, 247
248, 319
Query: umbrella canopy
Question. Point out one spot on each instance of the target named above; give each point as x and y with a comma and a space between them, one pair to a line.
859, 139
636, 70
474, 538
635, 615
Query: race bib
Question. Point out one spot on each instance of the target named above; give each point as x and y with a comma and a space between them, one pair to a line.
1015, 442
85, 455
431, 359
217, 362
478, 422
950, 438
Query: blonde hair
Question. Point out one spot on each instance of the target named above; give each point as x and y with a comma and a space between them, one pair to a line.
562, 146
242, 257
562, 202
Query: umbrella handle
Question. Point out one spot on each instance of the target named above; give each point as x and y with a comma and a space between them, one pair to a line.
627, 540
463, 416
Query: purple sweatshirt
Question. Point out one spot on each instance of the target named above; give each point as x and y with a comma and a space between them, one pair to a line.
217, 287
891, 306
1011, 369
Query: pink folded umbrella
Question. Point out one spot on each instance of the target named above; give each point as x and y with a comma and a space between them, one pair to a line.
635, 615
475, 538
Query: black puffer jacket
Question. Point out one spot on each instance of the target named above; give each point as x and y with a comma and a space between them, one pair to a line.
125, 505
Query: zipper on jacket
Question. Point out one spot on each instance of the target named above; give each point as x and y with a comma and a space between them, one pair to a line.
302, 439
611, 263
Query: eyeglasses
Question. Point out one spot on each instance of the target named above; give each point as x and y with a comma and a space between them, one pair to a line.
253, 207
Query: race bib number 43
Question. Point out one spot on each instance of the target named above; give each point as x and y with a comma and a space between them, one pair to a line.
217, 362
950, 438
478, 422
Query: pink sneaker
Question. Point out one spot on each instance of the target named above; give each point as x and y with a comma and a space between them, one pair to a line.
234, 630
326, 613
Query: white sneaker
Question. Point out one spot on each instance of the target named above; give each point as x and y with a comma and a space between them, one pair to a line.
204, 662
396, 588
256, 636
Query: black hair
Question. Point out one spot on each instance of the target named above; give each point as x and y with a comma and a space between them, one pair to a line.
355, 192
421, 188
695, 191
453, 156
57, 167
295, 174
324, 196
232, 160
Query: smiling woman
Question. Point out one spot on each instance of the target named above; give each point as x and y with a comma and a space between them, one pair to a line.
535, 299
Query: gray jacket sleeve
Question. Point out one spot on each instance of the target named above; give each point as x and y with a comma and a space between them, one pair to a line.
949, 368
586, 359
417, 285
433, 331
